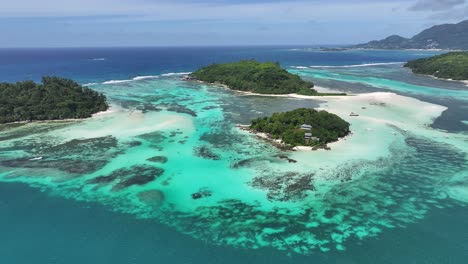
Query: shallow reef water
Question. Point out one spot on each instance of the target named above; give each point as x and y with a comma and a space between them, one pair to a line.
170, 150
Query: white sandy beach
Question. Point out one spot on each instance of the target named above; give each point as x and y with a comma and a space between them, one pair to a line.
122, 123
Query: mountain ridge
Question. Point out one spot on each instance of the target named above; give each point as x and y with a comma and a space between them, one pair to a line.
444, 36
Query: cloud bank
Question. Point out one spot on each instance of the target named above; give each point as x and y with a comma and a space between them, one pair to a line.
216, 22
436, 5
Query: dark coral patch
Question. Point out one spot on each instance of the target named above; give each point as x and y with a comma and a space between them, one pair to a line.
146, 107
103, 179
135, 175
202, 193
210, 107
284, 157
66, 165
153, 137
78, 156
158, 159
330, 213
206, 153
89, 145
135, 180
152, 198
134, 144
285, 187
175, 133
174, 107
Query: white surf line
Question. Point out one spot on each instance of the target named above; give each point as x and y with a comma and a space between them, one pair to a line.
146, 77
347, 66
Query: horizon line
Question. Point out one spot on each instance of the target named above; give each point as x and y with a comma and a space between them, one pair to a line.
181, 46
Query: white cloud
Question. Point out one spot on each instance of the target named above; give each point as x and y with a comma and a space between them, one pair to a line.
436, 5
295, 11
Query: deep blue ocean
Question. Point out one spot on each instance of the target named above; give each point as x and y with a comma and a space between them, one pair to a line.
101, 64
38, 227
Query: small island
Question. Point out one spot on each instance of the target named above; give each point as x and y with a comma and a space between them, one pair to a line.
453, 65
332, 49
256, 77
302, 127
54, 99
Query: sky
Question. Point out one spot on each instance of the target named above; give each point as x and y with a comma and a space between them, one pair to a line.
110, 23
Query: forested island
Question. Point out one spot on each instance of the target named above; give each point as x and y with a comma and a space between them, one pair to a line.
302, 127
453, 65
54, 99
256, 77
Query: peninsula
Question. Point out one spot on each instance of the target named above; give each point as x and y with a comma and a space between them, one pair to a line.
453, 66
302, 127
256, 77
54, 99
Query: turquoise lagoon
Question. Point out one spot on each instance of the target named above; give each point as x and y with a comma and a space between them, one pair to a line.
169, 151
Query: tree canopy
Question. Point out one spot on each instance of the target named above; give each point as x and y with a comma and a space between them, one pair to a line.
287, 126
453, 65
253, 76
54, 99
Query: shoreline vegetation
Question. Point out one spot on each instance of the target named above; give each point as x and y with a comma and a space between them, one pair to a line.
299, 129
54, 99
256, 77
452, 66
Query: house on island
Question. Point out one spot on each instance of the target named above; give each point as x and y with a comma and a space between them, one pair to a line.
308, 138
308, 135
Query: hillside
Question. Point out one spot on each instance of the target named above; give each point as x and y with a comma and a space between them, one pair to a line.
453, 65
446, 36
54, 99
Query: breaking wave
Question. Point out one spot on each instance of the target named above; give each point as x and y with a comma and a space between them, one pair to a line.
147, 77
348, 66
175, 73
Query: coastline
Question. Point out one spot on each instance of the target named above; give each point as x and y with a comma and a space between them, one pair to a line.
298, 96
278, 143
438, 78
108, 111
323, 92
431, 50
443, 79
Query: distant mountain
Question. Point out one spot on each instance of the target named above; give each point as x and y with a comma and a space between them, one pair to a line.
447, 36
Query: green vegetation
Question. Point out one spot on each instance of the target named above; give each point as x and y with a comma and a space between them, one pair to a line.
253, 76
56, 98
286, 126
453, 65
